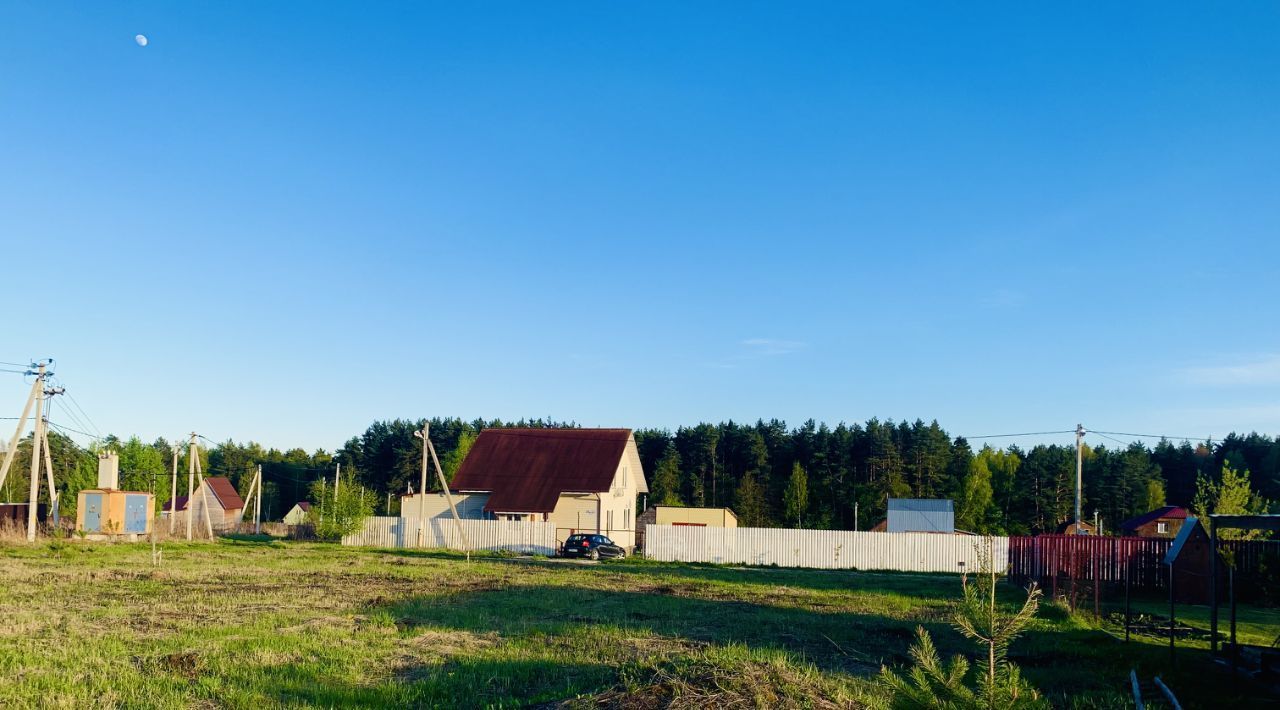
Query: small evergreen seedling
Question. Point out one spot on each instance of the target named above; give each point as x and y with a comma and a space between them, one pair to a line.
999, 683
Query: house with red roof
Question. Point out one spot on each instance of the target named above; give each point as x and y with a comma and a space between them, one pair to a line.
226, 508
298, 514
580, 479
1161, 522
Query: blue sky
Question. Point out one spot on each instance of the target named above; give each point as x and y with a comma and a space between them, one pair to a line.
280, 221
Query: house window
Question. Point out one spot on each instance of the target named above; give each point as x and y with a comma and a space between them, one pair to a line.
621, 490
610, 519
1162, 527
626, 519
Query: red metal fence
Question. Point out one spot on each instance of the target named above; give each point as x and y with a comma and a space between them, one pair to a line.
1088, 557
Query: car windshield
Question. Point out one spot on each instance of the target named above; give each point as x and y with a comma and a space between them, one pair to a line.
576, 538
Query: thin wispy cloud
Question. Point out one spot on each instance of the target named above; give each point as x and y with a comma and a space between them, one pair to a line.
773, 346
1264, 370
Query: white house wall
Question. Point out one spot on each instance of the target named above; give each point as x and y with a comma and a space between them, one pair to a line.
470, 506
575, 513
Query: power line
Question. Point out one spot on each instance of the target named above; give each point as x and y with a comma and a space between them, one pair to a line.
70, 414
77, 431
1122, 443
1029, 433
92, 424
1154, 436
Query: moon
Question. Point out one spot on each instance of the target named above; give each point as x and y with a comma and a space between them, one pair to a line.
141, 40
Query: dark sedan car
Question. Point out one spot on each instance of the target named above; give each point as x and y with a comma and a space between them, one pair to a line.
592, 547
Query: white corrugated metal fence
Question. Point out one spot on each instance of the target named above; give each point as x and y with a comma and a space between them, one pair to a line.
821, 549
531, 538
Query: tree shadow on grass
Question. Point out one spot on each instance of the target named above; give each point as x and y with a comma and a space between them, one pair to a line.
832, 641
473, 682
1063, 663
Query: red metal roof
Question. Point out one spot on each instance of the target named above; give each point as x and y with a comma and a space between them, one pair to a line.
225, 493
526, 470
1172, 512
221, 489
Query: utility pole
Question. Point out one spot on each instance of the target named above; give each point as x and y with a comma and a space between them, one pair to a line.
55, 498
257, 504
422, 496
191, 481
173, 491
336, 478
194, 474
37, 440
855, 516
429, 448
17, 432
1079, 471
35, 469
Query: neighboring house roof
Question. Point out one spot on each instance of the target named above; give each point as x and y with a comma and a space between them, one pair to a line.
181, 503
1169, 511
526, 470
304, 506
225, 493
921, 515
222, 490
1071, 524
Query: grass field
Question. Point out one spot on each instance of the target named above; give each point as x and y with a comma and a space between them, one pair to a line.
245, 623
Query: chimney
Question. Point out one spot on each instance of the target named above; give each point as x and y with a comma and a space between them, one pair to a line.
108, 470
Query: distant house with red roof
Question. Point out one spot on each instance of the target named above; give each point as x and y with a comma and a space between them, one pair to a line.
1161, 522
225, 505
298, 514
579, 479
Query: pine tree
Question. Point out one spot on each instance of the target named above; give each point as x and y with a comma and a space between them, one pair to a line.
931, 684
750, 504
664, 487
452, 461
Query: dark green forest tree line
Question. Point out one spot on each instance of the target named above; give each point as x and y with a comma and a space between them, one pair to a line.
769, 473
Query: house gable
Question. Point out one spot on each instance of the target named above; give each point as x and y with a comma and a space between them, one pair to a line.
527, 470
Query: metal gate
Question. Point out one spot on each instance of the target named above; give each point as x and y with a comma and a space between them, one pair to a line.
135, 513
93, 512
